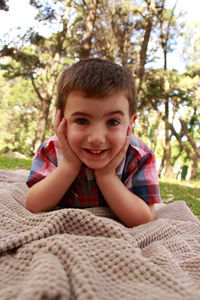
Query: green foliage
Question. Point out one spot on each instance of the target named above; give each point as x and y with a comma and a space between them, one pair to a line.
191, 46
182, 94
18, 116
149, 128
24, 62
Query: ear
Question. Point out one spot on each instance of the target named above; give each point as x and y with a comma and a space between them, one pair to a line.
132, 119
61, 112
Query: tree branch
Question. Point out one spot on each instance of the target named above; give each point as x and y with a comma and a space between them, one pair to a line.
191, 141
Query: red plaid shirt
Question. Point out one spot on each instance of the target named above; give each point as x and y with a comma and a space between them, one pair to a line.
137, 171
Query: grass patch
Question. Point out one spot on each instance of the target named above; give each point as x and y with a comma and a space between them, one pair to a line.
14, 163
188, 191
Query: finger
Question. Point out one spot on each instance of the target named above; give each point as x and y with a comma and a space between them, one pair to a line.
57, 119
123, 151
62, 137
129, 130
62, 129
128, 137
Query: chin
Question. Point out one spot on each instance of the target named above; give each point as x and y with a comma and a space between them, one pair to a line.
94, 166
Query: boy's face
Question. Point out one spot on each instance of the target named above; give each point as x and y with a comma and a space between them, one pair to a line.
97, 127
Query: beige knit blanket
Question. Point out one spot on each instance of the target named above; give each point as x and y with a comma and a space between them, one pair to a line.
80, 254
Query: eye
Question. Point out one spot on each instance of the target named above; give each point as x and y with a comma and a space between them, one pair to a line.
82, 121
113, 122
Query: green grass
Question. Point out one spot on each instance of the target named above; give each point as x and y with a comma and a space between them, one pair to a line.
171, 190
188, 191
13, 163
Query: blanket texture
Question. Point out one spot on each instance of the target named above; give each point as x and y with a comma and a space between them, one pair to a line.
87, 254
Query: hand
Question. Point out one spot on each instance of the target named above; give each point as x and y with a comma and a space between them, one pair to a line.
60, 126
110, 169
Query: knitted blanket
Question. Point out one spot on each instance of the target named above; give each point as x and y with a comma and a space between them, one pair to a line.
87, 254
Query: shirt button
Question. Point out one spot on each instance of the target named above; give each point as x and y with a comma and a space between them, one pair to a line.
94, 191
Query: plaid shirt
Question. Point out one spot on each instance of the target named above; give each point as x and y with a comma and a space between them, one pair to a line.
137, 171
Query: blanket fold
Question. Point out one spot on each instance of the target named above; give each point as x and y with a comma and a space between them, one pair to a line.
87, 254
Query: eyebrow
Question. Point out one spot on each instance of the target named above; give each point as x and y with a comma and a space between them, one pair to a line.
79, 113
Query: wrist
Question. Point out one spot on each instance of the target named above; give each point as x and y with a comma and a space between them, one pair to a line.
104, 177
68, 168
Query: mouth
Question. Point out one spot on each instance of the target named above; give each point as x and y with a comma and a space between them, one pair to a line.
96, 153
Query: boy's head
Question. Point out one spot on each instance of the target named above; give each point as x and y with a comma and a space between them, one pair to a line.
95, 77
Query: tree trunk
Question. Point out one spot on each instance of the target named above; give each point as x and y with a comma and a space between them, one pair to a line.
143, 52
45, 94
41, 126
168, 165
194, 168
193, 156
161, 164
85, 47
165, 39
190, 139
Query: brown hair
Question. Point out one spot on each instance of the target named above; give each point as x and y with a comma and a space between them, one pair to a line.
96, 77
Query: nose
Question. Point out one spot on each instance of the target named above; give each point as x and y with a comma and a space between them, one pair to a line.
96, 135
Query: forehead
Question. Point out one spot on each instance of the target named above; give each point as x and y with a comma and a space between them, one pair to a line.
112, 102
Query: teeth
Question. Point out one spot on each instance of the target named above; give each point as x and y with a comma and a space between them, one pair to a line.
95, 152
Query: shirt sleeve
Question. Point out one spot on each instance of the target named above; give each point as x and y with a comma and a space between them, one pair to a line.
143, 178
44, 162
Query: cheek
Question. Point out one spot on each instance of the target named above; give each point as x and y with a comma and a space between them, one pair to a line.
73, 136
118, 139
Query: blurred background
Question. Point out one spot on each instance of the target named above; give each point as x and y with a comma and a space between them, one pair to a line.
158, 41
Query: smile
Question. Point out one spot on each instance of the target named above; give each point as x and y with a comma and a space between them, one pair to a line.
95, 152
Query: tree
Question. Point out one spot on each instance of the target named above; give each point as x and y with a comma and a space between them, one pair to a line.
17, 115
191, 49
183, 96
142, 57
90, 11
3, 5
188, 137
41, 58
169, 31
40, 62
122, 33
40, 71
165, 38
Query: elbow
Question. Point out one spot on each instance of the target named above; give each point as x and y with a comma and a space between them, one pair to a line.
150, 217
30, 208
33, 203
30, 203
147, 218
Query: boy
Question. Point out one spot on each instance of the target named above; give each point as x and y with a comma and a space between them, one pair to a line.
94, 160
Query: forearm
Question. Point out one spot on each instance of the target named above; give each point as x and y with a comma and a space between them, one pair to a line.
128, 207
45, 194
